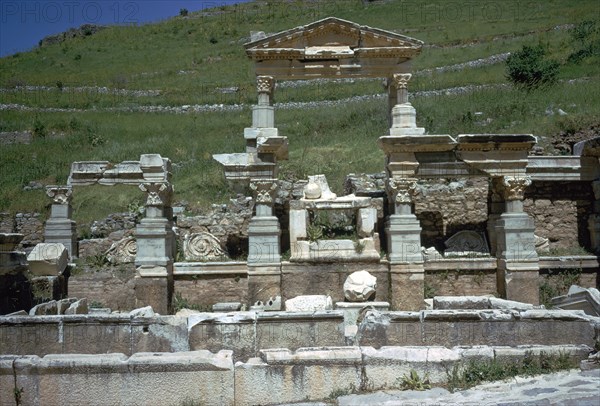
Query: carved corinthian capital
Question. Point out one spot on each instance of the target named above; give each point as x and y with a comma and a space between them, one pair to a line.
401, 191
265, 84
264, 190
60, 194
514, 187
401, 80
159, 194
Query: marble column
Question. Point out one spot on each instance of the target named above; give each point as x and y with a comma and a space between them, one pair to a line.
155, 249
263, 114
60, 228
518, 262
403, 232
404, 115
264, 250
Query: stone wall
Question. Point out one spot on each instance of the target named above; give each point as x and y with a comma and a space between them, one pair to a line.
206, 290
446, 206
328, 279
110, 287
275, 376
460, 283
31, 225
560, 211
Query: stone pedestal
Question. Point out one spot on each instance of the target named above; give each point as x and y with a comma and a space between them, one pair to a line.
403, 232
155, 249
155, 292
59, 228
407, 283
518, 262
263, 241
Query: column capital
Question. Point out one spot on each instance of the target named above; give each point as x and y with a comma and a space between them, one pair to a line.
264, 190
400, 80
401, 190
60, 194
159, 194
265, 84
514, 187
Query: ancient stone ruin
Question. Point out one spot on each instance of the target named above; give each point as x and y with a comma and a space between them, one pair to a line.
332, 291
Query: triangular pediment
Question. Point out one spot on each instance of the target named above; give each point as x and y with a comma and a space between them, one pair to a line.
332, 37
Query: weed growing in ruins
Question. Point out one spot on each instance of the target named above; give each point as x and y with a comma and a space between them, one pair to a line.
413, 381
429, 290
179, 302
342, 392
94, 304
359, 246
476, 372
97, 261
557, 283
18, 392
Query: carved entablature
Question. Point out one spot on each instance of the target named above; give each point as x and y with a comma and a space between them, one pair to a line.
264, 190
332, 47
159, 194
60, 194
265, 84
514, 187
401, 191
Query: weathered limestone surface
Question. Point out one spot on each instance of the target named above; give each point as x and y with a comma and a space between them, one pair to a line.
91, 334
579, 298
108, 379
307, 374
475, 327
245, 332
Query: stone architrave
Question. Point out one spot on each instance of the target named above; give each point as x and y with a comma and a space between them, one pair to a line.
202, 247
466, 243
122, 251
59, 228
360, 286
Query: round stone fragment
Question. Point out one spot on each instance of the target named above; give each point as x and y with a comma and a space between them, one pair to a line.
312, 190
360, 286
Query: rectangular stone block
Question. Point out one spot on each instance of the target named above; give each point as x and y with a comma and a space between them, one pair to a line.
155, 292
198, 377
305, 375
22, 335
407, 284
297, 330
216, 331
48, 259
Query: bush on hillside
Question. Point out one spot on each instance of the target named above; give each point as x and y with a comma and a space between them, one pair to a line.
529, 68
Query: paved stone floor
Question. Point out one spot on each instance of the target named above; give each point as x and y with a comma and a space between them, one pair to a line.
572, 387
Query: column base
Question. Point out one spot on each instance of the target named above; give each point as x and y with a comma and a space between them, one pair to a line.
263, 241
62, 231
403, 233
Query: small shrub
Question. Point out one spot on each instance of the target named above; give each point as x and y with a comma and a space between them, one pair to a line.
586, 36
414, 382
96, 305
39, 129
529, 68
183, 12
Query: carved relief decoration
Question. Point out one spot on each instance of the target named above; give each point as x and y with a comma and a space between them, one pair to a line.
122, 251
264, 190
60, 194
401, 191
265, 84
202, 247
159, 193
514, 187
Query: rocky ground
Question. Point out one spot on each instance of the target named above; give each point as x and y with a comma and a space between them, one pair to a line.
572, 387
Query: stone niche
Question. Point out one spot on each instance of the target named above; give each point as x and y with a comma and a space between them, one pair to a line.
313, 221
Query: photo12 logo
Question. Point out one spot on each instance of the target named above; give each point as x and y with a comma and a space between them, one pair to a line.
73, 12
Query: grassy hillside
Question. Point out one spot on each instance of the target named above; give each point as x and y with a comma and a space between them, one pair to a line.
196, 60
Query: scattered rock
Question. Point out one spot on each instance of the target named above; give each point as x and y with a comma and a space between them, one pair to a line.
142, 312
78, 307
309, 303
44, 309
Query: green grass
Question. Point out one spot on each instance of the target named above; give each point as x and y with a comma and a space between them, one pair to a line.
189, 59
